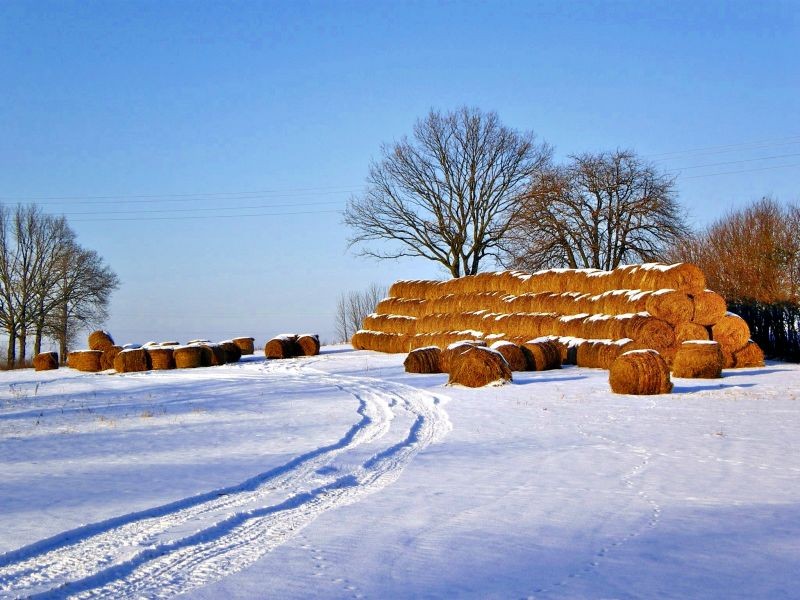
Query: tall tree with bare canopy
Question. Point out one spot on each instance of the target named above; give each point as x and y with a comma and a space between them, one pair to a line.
597, 211
448, 194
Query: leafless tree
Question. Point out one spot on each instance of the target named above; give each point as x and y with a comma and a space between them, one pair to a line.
447, 195
597, 211
353, 306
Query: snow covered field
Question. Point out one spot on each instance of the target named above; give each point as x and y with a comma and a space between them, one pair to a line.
341, 476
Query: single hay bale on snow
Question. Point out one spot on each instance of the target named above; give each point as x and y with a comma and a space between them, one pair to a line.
749, 356
45, 361
456, 348
542, 354
308, 343
515, 356
109, 354
424, 360
246, 344
132, 361
233, 353
477, 366
640, 372
282, 346
100, 340
85, 360
187, 357
162, 359
699, 360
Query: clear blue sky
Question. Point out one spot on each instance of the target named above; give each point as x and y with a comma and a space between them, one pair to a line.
110, 111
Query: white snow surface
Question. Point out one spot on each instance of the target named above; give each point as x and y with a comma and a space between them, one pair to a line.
341, 476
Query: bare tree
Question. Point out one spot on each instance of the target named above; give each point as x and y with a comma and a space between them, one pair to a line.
353, 306
597, 211
448, 195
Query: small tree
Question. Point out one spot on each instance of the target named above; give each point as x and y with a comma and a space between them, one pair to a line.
353, 306
597, 211
448, 195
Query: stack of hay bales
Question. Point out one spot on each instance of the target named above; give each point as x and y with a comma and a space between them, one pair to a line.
291, 345
592, 316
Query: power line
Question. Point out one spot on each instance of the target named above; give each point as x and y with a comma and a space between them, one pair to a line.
734, 162
794, 139
195, 217
204, 209
741, 171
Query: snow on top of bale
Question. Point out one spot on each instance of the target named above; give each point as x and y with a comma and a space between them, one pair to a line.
700, 342
641, 351
568, 318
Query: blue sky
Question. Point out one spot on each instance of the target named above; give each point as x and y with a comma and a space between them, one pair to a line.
250, 124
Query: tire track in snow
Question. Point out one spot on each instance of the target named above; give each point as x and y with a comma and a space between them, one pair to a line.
87, 562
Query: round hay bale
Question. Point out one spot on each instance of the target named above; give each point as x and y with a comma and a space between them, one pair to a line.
731, 331
640, 372
698, 360
515, 356
649, 331
424, 360
132, 361
109, 354
709, 307
657, 276
211, 355
246, 344
85, 360
100, 340
308, 344
456, 348
690, 331
749, 356
672, 306
187, 357
161, 359
282, 346
231, 350
542, 355
45, 361
477, 366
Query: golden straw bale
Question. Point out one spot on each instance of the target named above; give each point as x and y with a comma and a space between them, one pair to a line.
423, 360
211, 355
699, 360
187, 357
392, 343
709, 307
390, 323
657, 276
570, 325
749, 356
109, 354
100, 340
640, 372
414, 288
731, 331
45, 361
672, 306
132, 361
282, 346
246, 344
449, 351
85, 360
542, 354
478, 366
728, 358
600, 354
515, 356
690, 331
646, 330
308, 343
407, 307
162, 358
598, 281
231, 350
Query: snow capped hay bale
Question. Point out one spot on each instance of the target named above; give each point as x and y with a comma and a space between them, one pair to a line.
393, 343
477, 366
308, 344
85, 360
162, 358
246, 344
672, 306
424, 360
132, 361
282, 346
109, 354
731, 331
390, 323
231, 351
542, 354
709, 307
515, 356
698, 359
211, 355
640, 372
407, 307
600, 354
451, 350
187, 357
749, 356
657, 276
648, 331
100, 340
690, 331
45, 361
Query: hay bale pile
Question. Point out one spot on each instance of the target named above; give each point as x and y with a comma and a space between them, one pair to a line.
478, 366
45, 361
640, 372
291, 345
592, 316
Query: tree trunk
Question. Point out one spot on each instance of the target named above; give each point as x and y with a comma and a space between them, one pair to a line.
23, 343
11, 356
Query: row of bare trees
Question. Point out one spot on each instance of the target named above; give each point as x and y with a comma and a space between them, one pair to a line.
50, 286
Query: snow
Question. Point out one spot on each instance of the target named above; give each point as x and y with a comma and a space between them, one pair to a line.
341, 476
